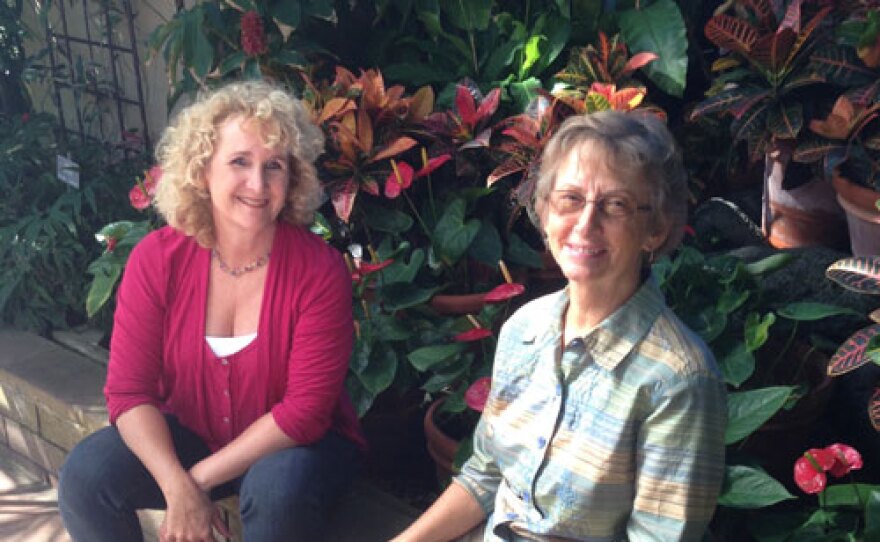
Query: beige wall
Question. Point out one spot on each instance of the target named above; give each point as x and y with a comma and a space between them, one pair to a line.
99, 116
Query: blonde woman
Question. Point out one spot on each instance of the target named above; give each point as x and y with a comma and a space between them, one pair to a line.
230, 343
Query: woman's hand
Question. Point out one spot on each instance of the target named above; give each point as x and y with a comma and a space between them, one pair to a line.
190, 514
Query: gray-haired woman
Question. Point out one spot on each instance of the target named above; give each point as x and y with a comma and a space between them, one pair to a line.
606, 416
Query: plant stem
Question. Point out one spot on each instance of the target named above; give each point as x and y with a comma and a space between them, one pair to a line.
418, 217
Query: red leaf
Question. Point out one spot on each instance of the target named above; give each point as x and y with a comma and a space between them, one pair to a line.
464, 104
343, 200
638, 60
489, 105
433, 164
366, 267
874, 409
398, 146
851, 354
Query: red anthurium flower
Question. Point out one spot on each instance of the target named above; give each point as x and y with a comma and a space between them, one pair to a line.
400, 179
846, 459
475, 334
502, 293
432, 164
367, 267
477, 393
809, 470
111, 244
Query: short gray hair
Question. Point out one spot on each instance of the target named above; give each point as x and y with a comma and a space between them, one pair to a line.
635, 145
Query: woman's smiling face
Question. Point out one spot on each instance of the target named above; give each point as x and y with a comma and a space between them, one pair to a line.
598, 225
247, 180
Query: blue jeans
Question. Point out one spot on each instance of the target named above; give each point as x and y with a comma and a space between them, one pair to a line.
285, 496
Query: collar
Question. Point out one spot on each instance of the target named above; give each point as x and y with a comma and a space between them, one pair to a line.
615, 337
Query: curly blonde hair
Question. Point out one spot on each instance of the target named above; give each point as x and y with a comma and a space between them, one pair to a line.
188, 143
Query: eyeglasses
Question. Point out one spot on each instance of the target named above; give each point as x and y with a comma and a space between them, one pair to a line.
614, 205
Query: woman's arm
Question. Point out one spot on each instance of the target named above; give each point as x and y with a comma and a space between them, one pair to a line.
189, 512
262, 438
453, 514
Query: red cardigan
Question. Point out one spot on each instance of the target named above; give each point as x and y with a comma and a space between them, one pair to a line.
295, 368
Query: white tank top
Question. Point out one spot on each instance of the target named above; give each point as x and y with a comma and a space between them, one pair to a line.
226, 346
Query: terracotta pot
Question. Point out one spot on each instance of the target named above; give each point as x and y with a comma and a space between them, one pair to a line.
807, 215
862, 216
441, 447
457, 304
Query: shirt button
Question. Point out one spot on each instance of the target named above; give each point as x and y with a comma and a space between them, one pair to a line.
542, 442
224, 361
225, 419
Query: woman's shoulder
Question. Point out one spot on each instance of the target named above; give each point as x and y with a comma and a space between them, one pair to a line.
309, 249
536, 314
685, 351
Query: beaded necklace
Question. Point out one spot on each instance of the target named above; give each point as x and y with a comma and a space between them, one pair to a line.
239, 271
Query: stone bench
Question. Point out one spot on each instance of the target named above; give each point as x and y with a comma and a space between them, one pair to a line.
51, 397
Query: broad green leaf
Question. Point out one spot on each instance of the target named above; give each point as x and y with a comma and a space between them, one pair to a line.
468, 14
198, 55
380, 370
322, 9
389, 220
748, 487
872, 516
659, 28
850, 494
441, 380
428, 356
401, 295
809, 311
100, 290
520, 253
391, 328
531, 54
486, 246
453, 235
291, 58
233, 62
286, 12
401, 271
748, 410
737, 365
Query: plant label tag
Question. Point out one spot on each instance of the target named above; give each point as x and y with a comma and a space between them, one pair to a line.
67, 171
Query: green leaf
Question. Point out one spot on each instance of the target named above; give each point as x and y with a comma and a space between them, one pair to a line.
391, 328
441, 380
291, 58
486, 246
520, 253
748, 410
198, 55
380, 370
468, 14
850, 494
287, 12
872, 516
748, 487
809, 311
453, 235
401, 271
401, 295
769, 264
428, 356
659, 28
737, 365
231, 63
100, 290
757, 329
389, 220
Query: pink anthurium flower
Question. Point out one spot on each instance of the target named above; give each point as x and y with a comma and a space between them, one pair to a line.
367, 267
809, 470
399, 179
432, 164
475, 334
142, 193
477, 393
846, 459
502, 293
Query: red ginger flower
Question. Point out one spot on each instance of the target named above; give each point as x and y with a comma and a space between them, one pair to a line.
477, 393
475, 334
142, 193
253, 36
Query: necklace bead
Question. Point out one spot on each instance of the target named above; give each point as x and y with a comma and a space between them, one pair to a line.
239, 271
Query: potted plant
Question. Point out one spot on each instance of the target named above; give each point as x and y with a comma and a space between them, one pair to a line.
767, 83
771, 373
847, 141
861, 275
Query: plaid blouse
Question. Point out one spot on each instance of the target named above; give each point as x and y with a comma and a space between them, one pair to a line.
617, 436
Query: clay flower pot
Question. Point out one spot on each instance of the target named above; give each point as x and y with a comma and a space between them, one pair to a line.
862, 215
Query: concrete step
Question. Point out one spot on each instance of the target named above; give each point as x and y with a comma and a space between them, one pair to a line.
50, 398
